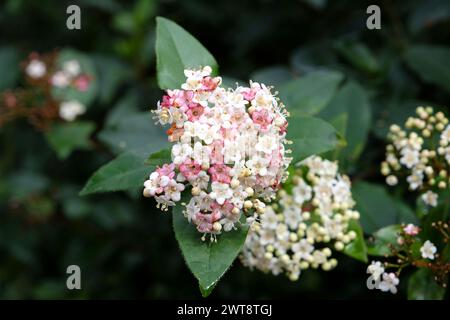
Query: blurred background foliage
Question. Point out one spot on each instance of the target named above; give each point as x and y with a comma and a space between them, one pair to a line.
318, 53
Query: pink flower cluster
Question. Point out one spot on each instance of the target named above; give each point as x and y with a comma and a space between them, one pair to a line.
228, 146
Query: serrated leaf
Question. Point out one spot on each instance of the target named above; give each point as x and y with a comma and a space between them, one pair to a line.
309, 94
125, 172
311, 136
208, 261
357, 248
177, 50
67, 137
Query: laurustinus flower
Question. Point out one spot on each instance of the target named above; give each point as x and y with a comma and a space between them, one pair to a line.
420, 152
312, 214
228, 145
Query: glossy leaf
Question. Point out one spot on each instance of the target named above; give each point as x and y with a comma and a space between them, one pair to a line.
378, 244
311, 136
124, 172
310, 93
177, 50
357, 248
208, 261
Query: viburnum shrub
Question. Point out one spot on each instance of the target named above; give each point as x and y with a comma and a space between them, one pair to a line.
420, 154
311, 216
229, 146
225, 156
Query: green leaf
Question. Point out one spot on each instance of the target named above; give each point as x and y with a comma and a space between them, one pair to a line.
422, 286
70, 92
208, 261
359, 56
159, 158
9, 64
177, 50
378, 245
357, 248
67, 137
311, 136
125, 172
135, 131
310, 93
431, 64
351, 100
206, 292
377, 208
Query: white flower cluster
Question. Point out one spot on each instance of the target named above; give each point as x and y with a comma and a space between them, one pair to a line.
382, 280
312, 214
229, 145
422, 151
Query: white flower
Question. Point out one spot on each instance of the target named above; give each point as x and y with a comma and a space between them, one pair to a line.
376, 269
69, 110
428, 250
60, 79
266, 144
389, 282
220, 192
72, 68
410, 157
391, 180
173, 190
445, 135
302, 192
415, 180
36, 69
303, 249
430, 198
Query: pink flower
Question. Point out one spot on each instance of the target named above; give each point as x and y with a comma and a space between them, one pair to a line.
82, 82
209, 83
222, 210
262, 118
411, 230
190, 169
167, 170
205, 221
195, 112
220, 172
249, 93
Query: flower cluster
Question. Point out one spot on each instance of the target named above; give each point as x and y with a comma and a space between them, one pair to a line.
229, 146
68, 75
409, 250
37, 102
312, 214
421, 151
